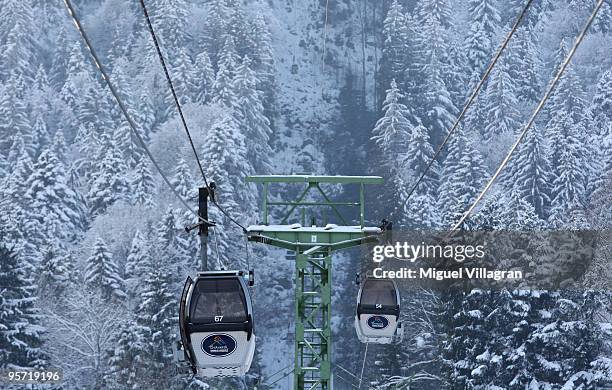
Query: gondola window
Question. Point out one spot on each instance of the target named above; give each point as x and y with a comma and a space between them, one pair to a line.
219, 300
379, 292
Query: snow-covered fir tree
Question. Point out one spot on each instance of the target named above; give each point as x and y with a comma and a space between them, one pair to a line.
110, 182
17, 43
601, 105
92, 110
567, 339
462, 176
78, 76
393, 130
87, 144
567, 157
43, 106
226, 150
17, 149
568, 187
145, 116
214, 30
263, 61
183, 180
602, 23
250, 110
13, 108
223, 85
205, 77
240, 28
597, 122
139, 260
21, 332
229, 57
526, 65
59, 148
57, 270
59, 65
568, 96
481, 42
49, 193
438, 110
166, 234
126, 360
417, 157
173, 31
519, 214
142, 185
500, 103
529, 172
184, 74
15, 184
102, 275
421, 212
40, 135
395, 47
391, 135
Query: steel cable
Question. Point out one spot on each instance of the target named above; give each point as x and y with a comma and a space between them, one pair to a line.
122, 107
180, 111
467, 105
539, 107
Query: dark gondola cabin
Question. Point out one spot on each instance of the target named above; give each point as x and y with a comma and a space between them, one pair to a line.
216, 323
378, 310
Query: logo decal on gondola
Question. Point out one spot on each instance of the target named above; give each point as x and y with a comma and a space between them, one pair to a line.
378, 322
219, 345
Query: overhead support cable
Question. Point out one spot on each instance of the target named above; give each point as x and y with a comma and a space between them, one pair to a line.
324, 43
170, 83
122, 107
532, 119
286, 374
467, 105
365, 356
180, 111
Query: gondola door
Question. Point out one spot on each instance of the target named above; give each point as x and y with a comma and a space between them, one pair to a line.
186, 343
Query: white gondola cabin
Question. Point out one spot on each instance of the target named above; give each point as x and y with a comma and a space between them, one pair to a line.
378, 310
216, 323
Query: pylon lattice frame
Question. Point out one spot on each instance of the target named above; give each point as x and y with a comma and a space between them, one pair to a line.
313, 246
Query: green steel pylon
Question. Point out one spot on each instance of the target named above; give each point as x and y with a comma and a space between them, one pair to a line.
313, 246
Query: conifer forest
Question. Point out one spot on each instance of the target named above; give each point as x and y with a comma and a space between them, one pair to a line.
93, 247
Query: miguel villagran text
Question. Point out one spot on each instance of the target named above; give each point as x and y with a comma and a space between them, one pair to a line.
436, 274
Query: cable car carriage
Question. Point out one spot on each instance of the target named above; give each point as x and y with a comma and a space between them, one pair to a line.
378, 310
216, 324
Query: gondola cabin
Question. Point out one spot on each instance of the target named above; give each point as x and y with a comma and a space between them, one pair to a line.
216, 323
378, 310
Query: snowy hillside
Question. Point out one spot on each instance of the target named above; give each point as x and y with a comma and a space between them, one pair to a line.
93, 251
